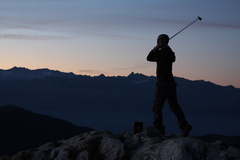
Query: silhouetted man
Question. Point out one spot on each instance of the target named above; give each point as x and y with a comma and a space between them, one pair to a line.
166, 85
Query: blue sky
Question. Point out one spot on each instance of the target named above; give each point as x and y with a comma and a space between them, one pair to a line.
114, 37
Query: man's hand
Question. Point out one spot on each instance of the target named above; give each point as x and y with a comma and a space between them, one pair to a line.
156, 48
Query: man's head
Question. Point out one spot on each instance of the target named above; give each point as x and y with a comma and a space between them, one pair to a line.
163, 40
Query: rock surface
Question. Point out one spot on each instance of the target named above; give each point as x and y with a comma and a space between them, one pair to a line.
147, 145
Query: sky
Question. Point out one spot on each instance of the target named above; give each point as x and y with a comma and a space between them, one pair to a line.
110, 37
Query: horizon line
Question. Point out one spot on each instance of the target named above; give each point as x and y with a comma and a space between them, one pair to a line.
102, 74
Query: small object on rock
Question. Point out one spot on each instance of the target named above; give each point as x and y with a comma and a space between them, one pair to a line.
137, 127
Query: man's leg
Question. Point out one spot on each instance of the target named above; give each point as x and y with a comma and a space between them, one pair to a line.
176, 109
157, 109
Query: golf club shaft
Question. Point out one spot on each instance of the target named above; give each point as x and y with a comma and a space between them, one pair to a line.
199, 18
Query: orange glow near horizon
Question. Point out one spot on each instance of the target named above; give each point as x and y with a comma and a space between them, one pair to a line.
114, 37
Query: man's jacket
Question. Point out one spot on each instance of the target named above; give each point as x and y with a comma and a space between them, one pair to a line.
164, 58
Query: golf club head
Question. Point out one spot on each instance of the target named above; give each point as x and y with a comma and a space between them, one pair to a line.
199, 18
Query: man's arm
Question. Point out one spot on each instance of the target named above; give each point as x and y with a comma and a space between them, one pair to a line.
152, 56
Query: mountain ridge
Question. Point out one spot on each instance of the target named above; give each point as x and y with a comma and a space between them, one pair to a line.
45, 72
22, 129
115, 102
25, 73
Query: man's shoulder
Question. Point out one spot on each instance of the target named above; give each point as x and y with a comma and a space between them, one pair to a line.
167, 49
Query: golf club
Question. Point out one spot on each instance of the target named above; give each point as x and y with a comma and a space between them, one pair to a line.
199, 18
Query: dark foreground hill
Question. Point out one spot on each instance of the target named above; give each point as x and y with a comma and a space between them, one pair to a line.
22, 129
113, 103
147, 145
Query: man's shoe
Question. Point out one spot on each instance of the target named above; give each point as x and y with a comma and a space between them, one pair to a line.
186, 131
160, 131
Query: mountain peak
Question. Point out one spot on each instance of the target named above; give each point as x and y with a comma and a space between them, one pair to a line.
137, 76
18, 69
101, 76
132, 74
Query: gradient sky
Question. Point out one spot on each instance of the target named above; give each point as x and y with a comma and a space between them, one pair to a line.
90, 37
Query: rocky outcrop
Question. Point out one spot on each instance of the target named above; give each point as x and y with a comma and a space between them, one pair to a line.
147, 145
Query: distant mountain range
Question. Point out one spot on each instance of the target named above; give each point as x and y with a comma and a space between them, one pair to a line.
24, 73
114, 103
22, 129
